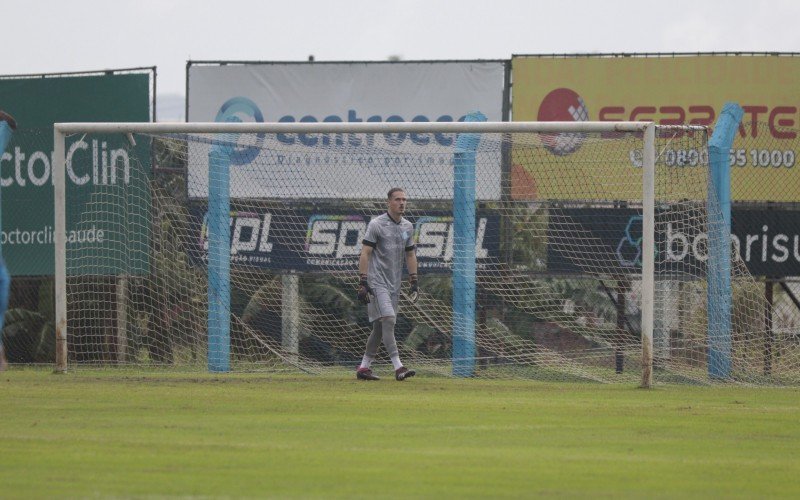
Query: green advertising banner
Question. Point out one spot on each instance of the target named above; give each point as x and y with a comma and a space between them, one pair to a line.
108, 199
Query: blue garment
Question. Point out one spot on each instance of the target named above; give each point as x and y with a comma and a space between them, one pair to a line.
5, 278
5, 284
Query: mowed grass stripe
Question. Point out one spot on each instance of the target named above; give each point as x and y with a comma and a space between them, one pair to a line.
109, 434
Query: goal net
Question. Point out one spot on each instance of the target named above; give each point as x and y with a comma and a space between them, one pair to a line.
234, 247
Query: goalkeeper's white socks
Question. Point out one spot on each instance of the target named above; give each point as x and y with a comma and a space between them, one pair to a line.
366, 361
396, 362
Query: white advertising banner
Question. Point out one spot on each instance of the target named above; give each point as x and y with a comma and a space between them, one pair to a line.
320, 166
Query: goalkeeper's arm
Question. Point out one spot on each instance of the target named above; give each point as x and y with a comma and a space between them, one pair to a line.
411, 264
363, 266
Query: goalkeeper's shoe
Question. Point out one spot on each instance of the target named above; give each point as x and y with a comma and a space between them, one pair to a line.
403, 373
366, 374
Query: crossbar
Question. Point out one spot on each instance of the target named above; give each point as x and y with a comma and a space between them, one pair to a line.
352, 127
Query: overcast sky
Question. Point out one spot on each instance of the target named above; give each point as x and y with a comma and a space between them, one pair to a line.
43, 36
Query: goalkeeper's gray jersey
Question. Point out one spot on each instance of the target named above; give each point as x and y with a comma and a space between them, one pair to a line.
390, 241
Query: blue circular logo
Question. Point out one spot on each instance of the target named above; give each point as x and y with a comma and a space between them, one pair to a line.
240, 110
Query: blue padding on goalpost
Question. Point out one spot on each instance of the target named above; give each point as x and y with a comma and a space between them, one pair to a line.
464, 250
719, 242
219, 256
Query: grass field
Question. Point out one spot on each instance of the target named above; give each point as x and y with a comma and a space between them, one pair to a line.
106, 434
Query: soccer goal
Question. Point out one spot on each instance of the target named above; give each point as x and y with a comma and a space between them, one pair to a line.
589, 251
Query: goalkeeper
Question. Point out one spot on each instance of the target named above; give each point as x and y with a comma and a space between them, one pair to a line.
389, 240
7, 125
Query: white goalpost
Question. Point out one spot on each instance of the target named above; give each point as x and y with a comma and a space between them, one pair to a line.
549, 250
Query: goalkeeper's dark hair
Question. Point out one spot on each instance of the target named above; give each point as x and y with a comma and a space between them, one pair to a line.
393, 191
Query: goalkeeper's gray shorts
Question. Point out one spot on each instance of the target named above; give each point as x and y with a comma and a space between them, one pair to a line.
382, 303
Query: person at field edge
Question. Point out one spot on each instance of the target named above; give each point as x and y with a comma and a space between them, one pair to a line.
7, 125
388, 241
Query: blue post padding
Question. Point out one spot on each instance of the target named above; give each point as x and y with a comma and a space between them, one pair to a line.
219, 253
464, 250
719, 242
5, 277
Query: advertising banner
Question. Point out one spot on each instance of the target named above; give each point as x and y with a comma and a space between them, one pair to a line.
315, 166
599, 241
767, 241
670, 91
305, 240
101, 185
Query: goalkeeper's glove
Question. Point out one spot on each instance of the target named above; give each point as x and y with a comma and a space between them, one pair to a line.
364, 290
413, 294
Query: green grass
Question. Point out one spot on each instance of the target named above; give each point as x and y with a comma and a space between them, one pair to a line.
104, 434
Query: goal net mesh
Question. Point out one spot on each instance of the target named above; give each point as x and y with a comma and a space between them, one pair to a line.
558, 221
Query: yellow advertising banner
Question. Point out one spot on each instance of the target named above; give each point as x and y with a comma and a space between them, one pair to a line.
765, 159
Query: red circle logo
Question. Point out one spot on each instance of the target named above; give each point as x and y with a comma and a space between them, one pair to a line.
563, 105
